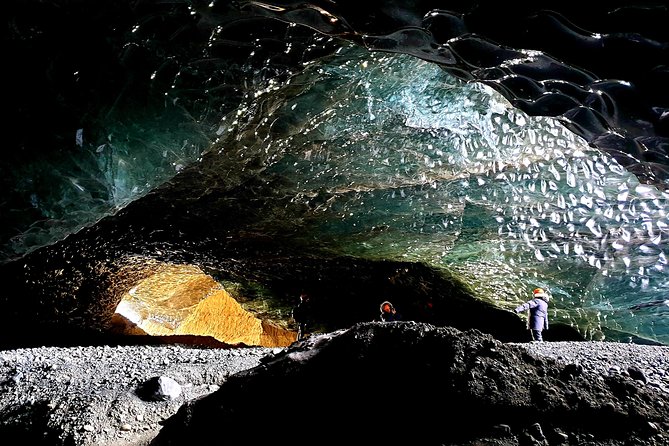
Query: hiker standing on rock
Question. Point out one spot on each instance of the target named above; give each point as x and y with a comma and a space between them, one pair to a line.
537, 320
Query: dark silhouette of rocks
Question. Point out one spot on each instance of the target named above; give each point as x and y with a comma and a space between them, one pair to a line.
411, 383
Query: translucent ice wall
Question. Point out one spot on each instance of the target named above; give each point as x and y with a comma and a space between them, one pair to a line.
399, 160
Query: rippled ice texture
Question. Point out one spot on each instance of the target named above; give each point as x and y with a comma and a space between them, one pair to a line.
406, 162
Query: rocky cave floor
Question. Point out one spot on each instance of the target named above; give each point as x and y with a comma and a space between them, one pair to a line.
107, 395
93, 395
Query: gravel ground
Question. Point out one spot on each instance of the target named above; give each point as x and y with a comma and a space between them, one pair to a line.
88, 395
646, 363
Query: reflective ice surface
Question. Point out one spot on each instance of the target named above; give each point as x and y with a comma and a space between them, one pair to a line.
396, 159
399, 160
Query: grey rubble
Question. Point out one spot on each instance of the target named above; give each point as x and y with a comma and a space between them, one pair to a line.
646, 364
88, 395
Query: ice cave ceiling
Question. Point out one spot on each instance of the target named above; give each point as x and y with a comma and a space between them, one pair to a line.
451, 153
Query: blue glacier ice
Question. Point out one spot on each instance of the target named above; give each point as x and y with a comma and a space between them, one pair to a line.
414, 164
411, 164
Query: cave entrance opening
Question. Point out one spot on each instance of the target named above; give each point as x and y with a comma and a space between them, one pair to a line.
183, 300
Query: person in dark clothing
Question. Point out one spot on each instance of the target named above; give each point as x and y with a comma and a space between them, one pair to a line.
302, 315
388, 312
537, 320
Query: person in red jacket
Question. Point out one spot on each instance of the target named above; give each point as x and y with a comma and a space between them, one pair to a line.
388, 312
537, 320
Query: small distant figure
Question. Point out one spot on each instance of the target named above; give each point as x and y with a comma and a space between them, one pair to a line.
426, 310
388, 312
302, 315
537, 320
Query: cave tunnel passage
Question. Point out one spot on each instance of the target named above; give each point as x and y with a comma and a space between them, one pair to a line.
183, 300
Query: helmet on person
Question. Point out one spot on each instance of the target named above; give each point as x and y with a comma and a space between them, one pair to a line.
541, 294
386, 307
